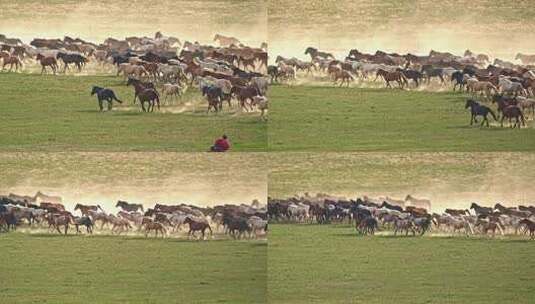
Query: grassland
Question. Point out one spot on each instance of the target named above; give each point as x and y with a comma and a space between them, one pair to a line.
312, 118
73, 269
330, 264
48, 113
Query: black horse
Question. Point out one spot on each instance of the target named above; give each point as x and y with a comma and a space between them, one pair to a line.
412, 74
104, 94
75, 59
458, 77
215, 97
478, 110
429, 71
84, 221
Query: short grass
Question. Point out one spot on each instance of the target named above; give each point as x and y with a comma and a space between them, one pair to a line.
57, 113
74, 269
330, 264
316, 118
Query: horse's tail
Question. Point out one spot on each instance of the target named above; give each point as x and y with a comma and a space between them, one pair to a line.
117, 99
493, 115
522, 117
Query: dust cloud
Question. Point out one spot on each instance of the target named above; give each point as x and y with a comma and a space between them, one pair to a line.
202, 179
98, 20
499, 29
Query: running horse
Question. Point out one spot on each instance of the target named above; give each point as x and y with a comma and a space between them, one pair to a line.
129, 207
47, 62
478, 110
84, 209
11, 60
392, 76
197, 226
314, 54
145, 95
226, 41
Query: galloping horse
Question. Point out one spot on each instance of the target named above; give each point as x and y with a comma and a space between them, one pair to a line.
129, 207
392, 76
226, 41
314, 54
197, 226
104, 94
144, 94
478, 110
344, 75
11, 60
47, 61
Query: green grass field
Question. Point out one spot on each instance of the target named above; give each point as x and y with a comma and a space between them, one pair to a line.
330, 264
310, 118
78, 269
48, 113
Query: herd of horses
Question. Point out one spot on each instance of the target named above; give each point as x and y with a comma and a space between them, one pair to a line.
157, 65
48, 212
408, 216
510, 85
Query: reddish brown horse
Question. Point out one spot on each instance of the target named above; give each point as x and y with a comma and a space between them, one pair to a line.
244, 94
47, 62
513, 112
392, 76
11, 60
197, 226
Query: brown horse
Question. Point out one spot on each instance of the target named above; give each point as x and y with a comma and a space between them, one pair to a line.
344, 75
47, 61
57, 220
197, 226
392, 76
157, 227
11, 60
84, 209
144, 94
243, 94
530, 225
513, 112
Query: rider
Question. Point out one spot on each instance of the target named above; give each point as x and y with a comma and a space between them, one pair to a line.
221, 144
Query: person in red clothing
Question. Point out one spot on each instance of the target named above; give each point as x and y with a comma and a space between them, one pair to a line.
221, 145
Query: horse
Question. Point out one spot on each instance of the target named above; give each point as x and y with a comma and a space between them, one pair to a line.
197, 226
84, 209
145, 95
83, 221
344, 75
104, 94
173, 90
314, 54
525, 59
458, 77
214, 96
129, 207
508, 86
530, 225
479, 110
11, 60
412, 75
244, 93
392, 76
47, 62
157, 227
513, 112
226, 41
526, 103
487, 226
419, 203
367, 226
480, 210
67, 59
139, 86
429, 71
404, 225
57, 220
